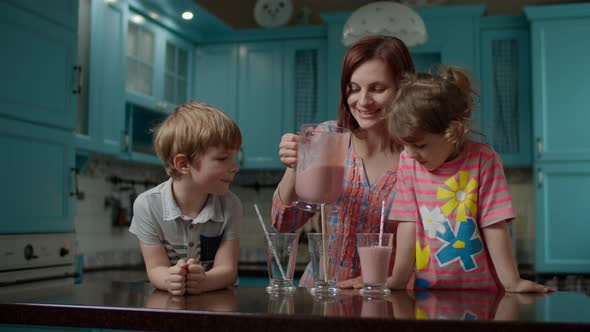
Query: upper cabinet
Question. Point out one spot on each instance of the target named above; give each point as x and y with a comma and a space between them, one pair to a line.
62, 12
560, 75
267, 87
38, 64
158, 65
505, 88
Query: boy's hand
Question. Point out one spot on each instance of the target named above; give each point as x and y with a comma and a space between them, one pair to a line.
176, 278
527, 286
194, 278
288, 150
351, 283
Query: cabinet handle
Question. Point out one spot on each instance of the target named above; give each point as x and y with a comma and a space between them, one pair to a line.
125, 140
78, 86
540, 178
74, 172
539, 147
241, 156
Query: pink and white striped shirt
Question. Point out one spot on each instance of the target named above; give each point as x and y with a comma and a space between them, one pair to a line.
450, 206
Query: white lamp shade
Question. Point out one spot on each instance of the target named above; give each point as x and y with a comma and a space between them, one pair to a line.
385, 18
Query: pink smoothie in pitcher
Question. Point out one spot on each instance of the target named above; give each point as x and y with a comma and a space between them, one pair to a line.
320, 184
374, 264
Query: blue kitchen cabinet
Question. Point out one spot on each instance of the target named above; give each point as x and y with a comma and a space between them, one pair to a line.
561, 84
505, 88
62, 12
101, 120
158, 64
215, 77
563, 225
40, 76
260, 99
561, 81
38, 172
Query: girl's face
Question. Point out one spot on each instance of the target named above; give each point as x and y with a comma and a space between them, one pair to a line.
215, 170
371, 91
430, 150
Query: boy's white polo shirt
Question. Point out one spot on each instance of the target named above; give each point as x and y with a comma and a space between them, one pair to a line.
158, 220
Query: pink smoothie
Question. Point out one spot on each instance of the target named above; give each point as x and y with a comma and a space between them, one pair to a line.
374, 264
320, 184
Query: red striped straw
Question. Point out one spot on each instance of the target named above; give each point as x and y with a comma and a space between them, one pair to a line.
382, 223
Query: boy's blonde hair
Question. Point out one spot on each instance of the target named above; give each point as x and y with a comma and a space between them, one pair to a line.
438, 103
191, 129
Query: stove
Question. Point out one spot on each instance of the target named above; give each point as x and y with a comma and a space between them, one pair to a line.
33, 257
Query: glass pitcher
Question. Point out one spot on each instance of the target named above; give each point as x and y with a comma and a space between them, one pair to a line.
321, 159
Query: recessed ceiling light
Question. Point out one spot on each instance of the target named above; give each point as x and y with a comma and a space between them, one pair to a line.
154, 15
137, 19
187, 15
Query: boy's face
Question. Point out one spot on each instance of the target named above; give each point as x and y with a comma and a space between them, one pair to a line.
430, 150
215, 170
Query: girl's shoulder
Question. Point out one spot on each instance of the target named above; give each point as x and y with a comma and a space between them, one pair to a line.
481, 149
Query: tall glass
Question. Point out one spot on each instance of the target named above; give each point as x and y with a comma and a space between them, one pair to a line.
321, 159
374, 253
324, 251
281, 259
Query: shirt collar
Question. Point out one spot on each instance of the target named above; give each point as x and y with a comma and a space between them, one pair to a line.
211, 211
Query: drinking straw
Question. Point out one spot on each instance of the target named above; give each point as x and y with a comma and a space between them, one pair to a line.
382, 223
272, 248
324, 242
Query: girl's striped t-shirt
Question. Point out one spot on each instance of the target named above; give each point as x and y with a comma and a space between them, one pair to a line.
450, 206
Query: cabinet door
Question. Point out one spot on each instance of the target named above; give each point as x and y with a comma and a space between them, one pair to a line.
563, 224
62, 12
141, 83
304, 83
38, 66
260, 113
505, 94
215, 77
106, 100
177, 66
561, 88
38, 177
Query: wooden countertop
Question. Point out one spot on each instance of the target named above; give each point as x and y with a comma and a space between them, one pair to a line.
137, 306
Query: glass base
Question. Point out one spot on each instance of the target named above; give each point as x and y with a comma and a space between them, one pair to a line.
325, 289
374, 291
305, 206
280, 287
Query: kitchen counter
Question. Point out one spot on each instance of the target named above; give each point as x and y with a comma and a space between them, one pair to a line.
137, 306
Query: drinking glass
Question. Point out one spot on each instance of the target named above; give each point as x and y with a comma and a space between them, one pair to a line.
374, 253
325, 251
281, 259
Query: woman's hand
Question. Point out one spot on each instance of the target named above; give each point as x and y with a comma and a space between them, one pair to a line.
288, 150
351, 283
176, 278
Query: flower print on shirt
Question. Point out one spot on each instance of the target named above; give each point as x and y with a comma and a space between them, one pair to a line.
460, 246
462, 195
432, 221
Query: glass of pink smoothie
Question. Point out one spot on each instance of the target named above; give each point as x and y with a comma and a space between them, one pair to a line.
374, 255
321, 159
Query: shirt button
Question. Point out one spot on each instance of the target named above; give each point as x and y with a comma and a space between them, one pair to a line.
191, 244
191, 226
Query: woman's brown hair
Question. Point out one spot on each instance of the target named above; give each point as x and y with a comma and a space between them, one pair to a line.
390, 50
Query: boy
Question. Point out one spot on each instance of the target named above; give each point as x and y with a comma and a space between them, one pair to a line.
192, 219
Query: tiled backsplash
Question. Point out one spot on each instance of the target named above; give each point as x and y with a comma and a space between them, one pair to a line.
106, 245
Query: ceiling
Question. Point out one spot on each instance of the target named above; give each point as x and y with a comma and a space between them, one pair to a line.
238, 14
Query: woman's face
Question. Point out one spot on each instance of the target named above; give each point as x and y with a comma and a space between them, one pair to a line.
371, 91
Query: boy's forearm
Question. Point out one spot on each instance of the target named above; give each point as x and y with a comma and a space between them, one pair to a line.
218, 278
405, 255
158, 276
499, 245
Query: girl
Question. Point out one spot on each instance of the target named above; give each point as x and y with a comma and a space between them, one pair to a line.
451, 189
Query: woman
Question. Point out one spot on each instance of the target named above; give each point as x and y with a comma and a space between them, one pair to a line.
371, 71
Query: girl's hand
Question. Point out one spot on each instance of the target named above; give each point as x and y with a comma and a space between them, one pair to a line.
288, 150
176, 278
351, 283
527, 286
194, 278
